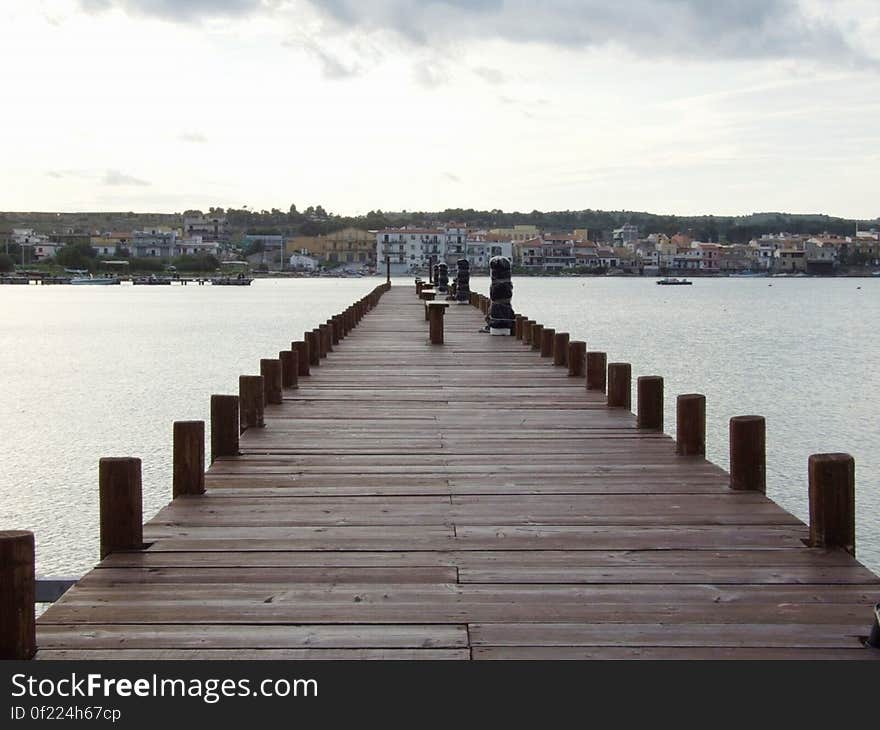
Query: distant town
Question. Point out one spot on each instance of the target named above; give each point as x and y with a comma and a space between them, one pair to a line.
204, 242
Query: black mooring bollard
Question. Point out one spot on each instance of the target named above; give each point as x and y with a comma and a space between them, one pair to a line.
463, 281
442, 279
500, 316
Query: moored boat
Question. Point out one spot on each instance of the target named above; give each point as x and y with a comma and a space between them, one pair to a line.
674, 282
95, 280
239, 280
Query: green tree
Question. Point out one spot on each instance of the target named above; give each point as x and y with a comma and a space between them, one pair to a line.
77, 256
148, 263
255, 246
205, 262
7, 263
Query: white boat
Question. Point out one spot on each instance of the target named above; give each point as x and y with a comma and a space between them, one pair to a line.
93, 280
674, 282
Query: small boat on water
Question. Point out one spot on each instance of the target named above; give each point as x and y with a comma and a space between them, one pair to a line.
239, 280
674, 282
152, 281
95, 280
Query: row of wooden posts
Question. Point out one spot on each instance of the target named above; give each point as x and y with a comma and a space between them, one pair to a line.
831, 477
119, 479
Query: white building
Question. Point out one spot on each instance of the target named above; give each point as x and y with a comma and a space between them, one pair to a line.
607, 258
762, 253
210, 228
410, 248
196, 246
46, 250
625, 235
558, 252
154, 242
479, 249
303, 262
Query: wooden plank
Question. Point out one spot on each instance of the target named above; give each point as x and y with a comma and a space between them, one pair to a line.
471, 537
582, 653
254, 654
692, 634
249, 574
485, 559
670, 576
200, 608
161, 636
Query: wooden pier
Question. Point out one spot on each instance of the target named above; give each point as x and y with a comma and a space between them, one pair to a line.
470, 500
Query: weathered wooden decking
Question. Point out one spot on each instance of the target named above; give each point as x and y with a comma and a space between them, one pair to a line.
463, 501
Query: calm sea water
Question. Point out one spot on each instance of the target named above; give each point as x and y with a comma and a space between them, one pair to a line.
90, 372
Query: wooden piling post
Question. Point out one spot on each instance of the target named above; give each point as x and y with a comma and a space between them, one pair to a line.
547, 337
748, 454
388, 270
121, 505
189, 458
327, 334
619, 385
428, 296
577, 351
435, 322
518, 326
251, 401
289, 368
270, 370
336, 328
597, 371
537, 333
318, 337
649, 402
225, 426
301, 348
528, 328
690, 425
832, 501
560, 349
314, 348
18, 638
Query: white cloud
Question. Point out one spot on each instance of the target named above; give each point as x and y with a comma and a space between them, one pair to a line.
115, 178
490, 75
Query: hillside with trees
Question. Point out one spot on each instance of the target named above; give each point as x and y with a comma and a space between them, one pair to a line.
315, 220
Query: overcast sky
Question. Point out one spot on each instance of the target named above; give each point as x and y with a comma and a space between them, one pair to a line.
670, 106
